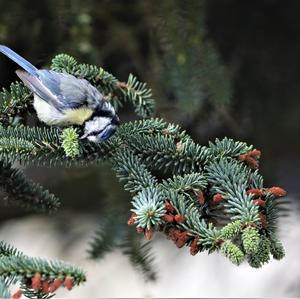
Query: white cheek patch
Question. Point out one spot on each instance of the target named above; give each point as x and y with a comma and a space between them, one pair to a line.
96, 125
92, 138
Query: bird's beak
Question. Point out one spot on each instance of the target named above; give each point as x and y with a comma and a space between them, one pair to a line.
116, 120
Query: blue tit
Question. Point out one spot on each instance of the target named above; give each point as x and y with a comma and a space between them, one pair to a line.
61, 99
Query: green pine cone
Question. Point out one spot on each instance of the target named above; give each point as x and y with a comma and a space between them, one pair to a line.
70, 142
262, 256
231, 230
233, 252
250, 239
277, 249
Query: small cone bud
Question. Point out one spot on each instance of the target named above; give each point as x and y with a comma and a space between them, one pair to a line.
168, 218
148, 233
68, 283
54, 285
263, 219
131, 220
255, 153
179, 146
179, 218
45, 286
36, 281
252, 163
200, 197
169, 207
255, 191
277, 191
242, 157
217, 198
182, 238
17, 294
165, 131
259, 202
250, 158
172, 234
194, 249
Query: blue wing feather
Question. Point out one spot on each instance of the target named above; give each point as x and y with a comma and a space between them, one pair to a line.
70, 91
22, 62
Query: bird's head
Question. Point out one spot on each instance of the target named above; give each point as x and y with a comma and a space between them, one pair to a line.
101, 126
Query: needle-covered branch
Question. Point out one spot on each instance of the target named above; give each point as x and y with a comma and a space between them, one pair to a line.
37, 276
206, 197
24, 192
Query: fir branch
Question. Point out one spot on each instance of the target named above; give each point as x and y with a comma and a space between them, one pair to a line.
108, 236
27, 267
39, 278
129, 168
209, 183
8, 250
25, 192
230, 178
228, 148
165, 153
44, 147
187, 182
272, 213
14, 102
151, 127
140, 256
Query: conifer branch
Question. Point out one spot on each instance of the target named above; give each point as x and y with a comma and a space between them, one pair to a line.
108, 236
211, 197
14, 102
25, 192
39, 278
140, 255
114, 235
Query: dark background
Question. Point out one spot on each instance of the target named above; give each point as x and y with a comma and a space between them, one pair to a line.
249, 90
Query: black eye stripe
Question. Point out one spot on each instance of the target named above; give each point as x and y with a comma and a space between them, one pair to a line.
103, 113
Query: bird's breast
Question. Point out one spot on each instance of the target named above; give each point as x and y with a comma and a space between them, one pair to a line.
78, 116
52, 117
46, 113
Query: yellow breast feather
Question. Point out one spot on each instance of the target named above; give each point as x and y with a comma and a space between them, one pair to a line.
78, 116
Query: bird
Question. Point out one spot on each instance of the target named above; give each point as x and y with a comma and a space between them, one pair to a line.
61, 99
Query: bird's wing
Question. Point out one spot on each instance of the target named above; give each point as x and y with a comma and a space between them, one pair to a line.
63, 91
37, 87
72, 92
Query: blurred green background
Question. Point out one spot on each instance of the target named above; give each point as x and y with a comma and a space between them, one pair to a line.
218, 68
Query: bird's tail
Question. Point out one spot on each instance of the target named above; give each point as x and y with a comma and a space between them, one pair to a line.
22, 62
